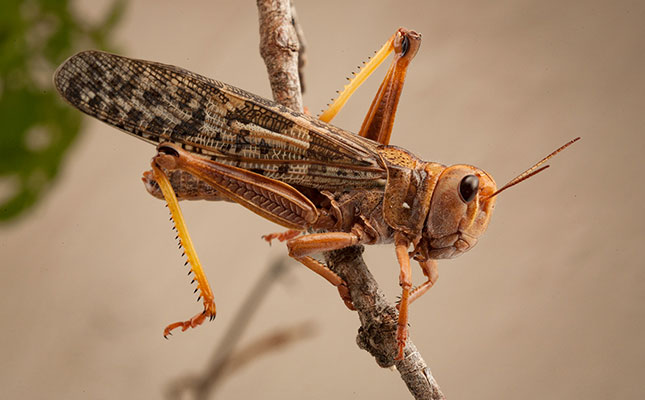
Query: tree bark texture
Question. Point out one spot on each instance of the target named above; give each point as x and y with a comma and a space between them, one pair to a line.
279, 47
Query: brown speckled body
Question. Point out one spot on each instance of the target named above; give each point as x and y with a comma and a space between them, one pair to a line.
218, 142
379, 188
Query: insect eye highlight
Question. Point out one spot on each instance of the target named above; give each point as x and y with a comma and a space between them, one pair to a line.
468, 188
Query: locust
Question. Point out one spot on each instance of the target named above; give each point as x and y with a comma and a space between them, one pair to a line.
329, 187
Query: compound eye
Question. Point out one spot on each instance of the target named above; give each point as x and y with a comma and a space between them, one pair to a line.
468, 188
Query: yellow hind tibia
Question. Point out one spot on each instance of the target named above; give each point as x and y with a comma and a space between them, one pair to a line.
358, 80
184, 240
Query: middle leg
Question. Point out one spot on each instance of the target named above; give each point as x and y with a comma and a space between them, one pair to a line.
303, 247
281, 236
405, 281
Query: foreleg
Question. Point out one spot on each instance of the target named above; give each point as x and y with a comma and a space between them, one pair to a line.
431, 271
405, 280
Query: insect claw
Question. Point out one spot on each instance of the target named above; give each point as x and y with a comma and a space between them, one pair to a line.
195, 291
199, 298
193, 281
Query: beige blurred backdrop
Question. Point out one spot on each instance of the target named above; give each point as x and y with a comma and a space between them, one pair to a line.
549, 304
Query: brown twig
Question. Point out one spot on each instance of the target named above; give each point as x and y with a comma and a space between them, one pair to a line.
378, 317
279, 48
302, 46
377, 334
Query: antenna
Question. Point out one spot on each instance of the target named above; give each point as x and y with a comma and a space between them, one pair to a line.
534, 170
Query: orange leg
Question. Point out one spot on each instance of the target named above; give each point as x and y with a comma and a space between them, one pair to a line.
405, 280
332, 277
191, 323
379, 120
431, 272
357, 81
380, 117
300, 248
281, 236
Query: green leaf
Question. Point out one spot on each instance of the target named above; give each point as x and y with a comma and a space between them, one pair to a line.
37, 127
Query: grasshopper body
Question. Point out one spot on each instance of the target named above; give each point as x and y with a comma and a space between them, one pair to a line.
219, 142
343, 180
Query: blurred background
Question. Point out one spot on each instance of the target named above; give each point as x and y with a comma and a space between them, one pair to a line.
549, 305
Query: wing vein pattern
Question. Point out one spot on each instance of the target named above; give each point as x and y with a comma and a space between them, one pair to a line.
157, 102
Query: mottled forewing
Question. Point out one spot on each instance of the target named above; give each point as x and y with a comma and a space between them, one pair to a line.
158, 103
